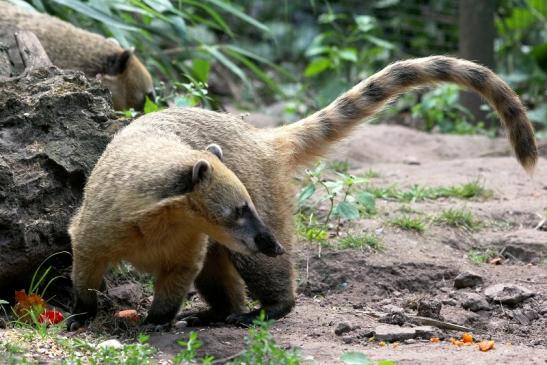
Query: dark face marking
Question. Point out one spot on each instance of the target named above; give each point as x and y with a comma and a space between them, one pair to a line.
348, 108
441, 69
404, 75
374, 92
476, 78
180, 184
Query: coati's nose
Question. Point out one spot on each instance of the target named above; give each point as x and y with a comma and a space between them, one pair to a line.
268, 245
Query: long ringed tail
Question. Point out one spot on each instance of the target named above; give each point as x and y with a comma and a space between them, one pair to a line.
309, 138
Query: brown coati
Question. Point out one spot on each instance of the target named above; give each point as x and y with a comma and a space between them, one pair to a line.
69, 47
140, 204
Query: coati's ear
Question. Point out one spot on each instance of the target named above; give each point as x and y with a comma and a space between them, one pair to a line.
116, 64
216, 150
201, 171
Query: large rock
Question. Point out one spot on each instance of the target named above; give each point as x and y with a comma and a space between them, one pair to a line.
387, 332
474, 302
509, 294
467, 279
54, 126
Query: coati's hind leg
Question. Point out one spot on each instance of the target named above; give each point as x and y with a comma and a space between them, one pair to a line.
270, 280
170, 289
87, 278
220, 286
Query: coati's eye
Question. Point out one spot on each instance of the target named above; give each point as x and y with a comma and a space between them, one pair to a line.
240, 211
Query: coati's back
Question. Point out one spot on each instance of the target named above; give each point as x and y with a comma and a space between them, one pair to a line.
70, 47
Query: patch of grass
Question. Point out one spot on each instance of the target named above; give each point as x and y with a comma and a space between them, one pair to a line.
361, 241
407, 209
409, 223
459, 218
339, 166
469, 190
481, 256
371, 174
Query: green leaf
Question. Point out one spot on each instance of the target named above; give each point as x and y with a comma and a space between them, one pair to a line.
86, 10
200, 69
239, 14
365, 23
317, 66
306, 193
348, 54
150, 106
386, 362
355, 358
2, 302
367, 200
379, 42
346, 210
235, 69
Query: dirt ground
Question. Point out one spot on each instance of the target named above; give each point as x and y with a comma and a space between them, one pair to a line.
352, 286
343, 286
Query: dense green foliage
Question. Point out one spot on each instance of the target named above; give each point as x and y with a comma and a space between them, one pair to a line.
305, 53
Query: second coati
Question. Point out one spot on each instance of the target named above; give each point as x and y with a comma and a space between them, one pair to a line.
147, 167
70, 47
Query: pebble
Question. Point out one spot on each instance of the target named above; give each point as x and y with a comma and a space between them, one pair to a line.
389, 332
347, 339
110, 343
474, 302
180, 325
410, 341
430, 307
509, 294
342, 328
467, 279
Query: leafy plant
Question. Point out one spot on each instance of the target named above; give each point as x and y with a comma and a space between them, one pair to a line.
481, 256
189, 353
358, 358
261, 347
370, 240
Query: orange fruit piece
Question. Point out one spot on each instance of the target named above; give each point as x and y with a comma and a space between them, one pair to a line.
435, 339
128, 314
486, 345
467, 337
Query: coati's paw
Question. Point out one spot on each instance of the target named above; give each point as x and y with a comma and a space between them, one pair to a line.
242, 319
151, 327
75, 322
203, 318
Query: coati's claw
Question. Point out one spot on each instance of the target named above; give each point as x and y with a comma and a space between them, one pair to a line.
203, 318
74, 324
151, 327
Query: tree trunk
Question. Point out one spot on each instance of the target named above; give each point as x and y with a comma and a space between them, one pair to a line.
476, 43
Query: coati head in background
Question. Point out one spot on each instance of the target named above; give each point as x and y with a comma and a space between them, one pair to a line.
218, 197
128, 81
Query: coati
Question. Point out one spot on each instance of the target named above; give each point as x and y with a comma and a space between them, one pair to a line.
69, 47
144, 205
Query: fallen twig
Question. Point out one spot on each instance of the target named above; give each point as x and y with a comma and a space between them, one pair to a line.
440, 324
226, 359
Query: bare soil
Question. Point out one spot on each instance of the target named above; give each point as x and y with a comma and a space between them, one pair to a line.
350, 286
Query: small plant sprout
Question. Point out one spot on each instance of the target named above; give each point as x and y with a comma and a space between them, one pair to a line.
459, 218
361, 241
409, 223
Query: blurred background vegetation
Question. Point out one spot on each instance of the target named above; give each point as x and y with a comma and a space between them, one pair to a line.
300, 55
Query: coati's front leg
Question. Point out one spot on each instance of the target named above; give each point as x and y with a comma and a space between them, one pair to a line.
170, 289
220, 286
270, 280
87, 277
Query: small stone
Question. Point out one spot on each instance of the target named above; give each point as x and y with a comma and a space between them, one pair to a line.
475, 302
387, 332
430, 307
425, 331
390, 308
342, 328
509, 294
543, 309
410, 341
180, 325
110, 343
450, 302
397, 318
347, 339
467, 279
127, 294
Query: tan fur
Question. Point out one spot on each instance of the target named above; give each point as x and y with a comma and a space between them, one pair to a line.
69, 47
264, 161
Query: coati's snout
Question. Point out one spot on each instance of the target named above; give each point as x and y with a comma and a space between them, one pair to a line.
253, 233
